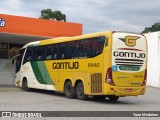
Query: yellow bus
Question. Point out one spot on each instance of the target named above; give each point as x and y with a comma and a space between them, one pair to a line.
104, 64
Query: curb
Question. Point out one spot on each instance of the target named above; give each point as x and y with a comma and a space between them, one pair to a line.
9, 88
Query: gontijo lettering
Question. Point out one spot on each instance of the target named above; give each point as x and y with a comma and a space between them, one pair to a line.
65, 65
129, 54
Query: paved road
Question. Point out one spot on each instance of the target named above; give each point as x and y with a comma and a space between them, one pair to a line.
38, 100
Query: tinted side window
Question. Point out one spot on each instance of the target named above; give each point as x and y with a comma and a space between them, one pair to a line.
75, 49
99, 44
82, 49
39, 53
61, 51
69, 50
49, 52
55, 51
95, 46
90, 47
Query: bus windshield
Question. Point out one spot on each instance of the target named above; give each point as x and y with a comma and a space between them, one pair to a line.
19, 60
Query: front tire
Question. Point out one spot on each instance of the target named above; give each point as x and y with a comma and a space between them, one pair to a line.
25, 85
80, 92
69, 90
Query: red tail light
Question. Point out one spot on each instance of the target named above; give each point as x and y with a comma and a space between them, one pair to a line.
109, 79
145, 78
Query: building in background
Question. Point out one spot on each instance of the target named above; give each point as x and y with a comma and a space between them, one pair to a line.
153, 69
15, 31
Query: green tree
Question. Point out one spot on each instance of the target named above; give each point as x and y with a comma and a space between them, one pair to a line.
52, 15
153, 28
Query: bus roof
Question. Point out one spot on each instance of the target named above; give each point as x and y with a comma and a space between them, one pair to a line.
63, 39
66, 39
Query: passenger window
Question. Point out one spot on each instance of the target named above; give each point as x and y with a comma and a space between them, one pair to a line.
86, 49
55, 51
75, 49
49, 52
89, 47
38, 53
99, 44
69, 50
61, 51
81, 49
93, 46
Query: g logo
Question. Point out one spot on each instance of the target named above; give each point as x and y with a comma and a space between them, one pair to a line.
130, 41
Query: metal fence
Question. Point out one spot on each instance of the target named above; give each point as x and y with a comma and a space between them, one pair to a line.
7, 79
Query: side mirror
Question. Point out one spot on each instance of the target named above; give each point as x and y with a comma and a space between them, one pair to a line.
13, 61
14, 58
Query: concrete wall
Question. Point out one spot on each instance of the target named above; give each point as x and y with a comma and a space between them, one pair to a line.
153, 71
6, 73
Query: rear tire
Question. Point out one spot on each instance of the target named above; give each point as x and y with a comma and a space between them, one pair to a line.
25, 85
113, 98
69, 90
80, 92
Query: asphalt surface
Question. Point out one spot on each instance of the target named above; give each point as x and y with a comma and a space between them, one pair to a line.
15, 99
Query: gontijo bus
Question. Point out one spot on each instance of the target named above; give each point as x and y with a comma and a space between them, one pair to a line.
105, 64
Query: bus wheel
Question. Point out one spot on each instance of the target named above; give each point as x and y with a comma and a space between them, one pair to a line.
69, 90
80, 92
113, 98
25, 85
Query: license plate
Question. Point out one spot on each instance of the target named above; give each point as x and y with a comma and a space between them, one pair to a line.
128, 90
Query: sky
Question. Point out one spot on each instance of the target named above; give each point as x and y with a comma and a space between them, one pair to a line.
95, 15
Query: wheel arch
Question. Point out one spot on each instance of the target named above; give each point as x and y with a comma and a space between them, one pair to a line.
84, 84
25, 78
77, 81
74, 83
